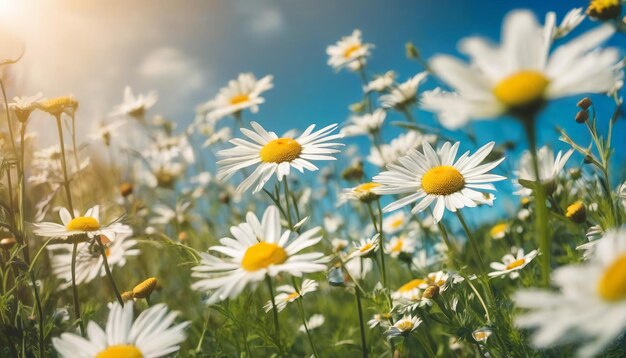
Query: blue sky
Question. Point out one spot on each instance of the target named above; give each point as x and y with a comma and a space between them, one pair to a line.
187, 50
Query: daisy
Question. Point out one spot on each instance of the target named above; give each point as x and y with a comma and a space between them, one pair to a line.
482, 334
135, 106
404, 94
365, 124
272, 154
549, 169
410, 291
589, 307
523, 73
362, 192
380, 83
241, 93
89, 262
365, 247
394, 222
350, 51
59, 105
257, 249
316, 321
289, 294
358, 267
379, 319
499, 231
398, 147
403, 326
437, 177
570, 21
88, 225
511, 264
24, 106
151, 335
401, 246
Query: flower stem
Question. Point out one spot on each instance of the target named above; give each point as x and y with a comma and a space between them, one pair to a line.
287, 206
361, 324
75, 291
541, 210
301, 310
268, 280
472, 241
108, 272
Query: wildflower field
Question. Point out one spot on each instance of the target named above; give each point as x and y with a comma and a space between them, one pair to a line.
381, 234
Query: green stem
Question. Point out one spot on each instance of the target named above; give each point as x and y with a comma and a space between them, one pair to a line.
39, 314
472, 242
75, 291
301, 310
107, 269
361, 325
541, 210
268, 280
287, 207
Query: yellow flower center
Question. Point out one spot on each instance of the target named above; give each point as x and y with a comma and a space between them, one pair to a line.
120, 351
405, 325
145, 288
366, 188
292, 296
366, 247
83, 223
498, 230
612, 284
397, 223
262, 255
521, 89
351, 50
240, 98
576, 212
415, 283
442, 180
516, 263
56, 106
604, 9
397, 247
281, 150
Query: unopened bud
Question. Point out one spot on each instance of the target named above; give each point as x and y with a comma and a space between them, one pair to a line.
144, 289
582, 116
576, 212
7, 243
584, 103
126, 189
127, 296
411, 51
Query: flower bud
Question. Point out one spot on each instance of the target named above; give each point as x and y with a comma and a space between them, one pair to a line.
576, 212
126, 189
144, 289
584, 103
582, 116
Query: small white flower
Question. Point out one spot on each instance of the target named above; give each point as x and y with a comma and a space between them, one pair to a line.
135, 106
365, 124
241, 93
401, 244
482, 334
394, 222
316, 321
570, 21
289, 294
549, 168
380, 83
403, 326
398, 147
379, 319
365, 247
510, 264
349, 52
404, 94
88, 225
358, 267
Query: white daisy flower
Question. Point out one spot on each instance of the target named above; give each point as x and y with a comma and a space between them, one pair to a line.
339, 245
316, 321
365, 247
350, 51
89, 262
403, 326
395, 222
380, 83
257, 249
589, 308
482, 334
135, 106
241, 93
88, 225
410, 291
549, 168
398, 147
362, 192
522, 74
512, 263
402, 246
379, 319
594, 234
332, 223
358, 267
24, 106
151, 335
365, 124
272, 154
438, 177
622, 191
570, 21
289, 294
499, 231
404, 94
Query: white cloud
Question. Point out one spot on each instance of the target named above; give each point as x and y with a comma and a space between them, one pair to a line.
267, 21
